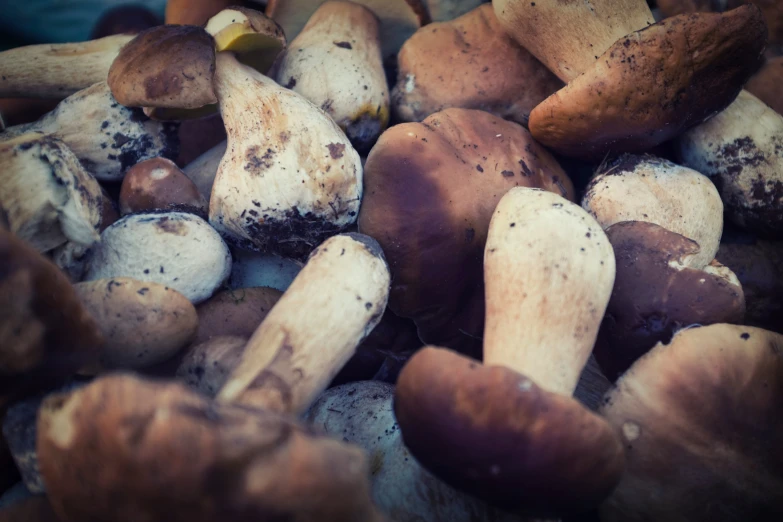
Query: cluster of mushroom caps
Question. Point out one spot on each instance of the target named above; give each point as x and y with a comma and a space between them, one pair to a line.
444, 260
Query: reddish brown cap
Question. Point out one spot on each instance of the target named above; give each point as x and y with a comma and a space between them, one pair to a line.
655, 294
158, 184
238, 312
493, 433
429, 192
654, 84
702, 423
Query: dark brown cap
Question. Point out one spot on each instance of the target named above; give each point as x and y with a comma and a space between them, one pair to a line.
493, 433
655, 294
158, 184
702, 423
653, 84
429, 192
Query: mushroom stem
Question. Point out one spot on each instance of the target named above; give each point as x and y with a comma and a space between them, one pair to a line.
315, 327
548, 272
57, 70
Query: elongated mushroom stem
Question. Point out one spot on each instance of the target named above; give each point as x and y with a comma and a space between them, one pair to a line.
315, 327
57, 70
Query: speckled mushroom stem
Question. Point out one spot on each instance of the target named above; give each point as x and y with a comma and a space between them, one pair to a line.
548, 271
315, 327
57, 70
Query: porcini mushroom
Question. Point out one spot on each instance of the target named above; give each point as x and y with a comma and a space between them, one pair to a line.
158, 184
125, 449
49, 199
106, 137
657, 291
251, 269
655, 190
509, 431
741, 148
430, 189
472, 63
207, 365
57, 70
691, 66
236, 312
335, 62
314, 328
701, 419
175, 249
203, 169
254, 38
290, 178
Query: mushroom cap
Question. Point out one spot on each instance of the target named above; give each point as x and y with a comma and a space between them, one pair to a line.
438, 69
656, 293
175, 249
655, 190
126, 449
234, 312
690, 67
256, 39
702, 421
765, 84
251, 269
207, 365
158, 184
165, 66
430, 190
741, 149
495, 434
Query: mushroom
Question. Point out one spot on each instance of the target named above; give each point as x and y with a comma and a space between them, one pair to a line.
655, 190
251, 269
255, 39
207, 365
314, 328
175, 249
198, 135
202, 170
659, 290
362, 413
126, 449
691, 66
158, 184
469, 62
508, 431
236, 312
701, 419
290, 178
765, 84
430, 189
45, 332
57, 70
399, 19
50, 201
741, 148
106, 137
144, 323
335, 62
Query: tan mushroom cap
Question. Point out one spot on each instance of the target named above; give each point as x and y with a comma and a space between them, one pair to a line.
702, 422
469, 62
653, 84
250, 34
169, 66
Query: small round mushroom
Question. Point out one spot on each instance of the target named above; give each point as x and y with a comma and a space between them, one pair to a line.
765, 84
235, 312
106, 137
657, 291
175, 249
207, 365
702, 421
144, 323
509, 431
335, 62
158, 184
472, 63
290, 177
430, 189
127, 449
741, 148
655, 190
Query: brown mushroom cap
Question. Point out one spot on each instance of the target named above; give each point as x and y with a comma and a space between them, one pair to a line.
234, 312
169, 66
766, 84
502, 438
469, 62
158, 184
653, 84
702, 421
429, 192
207, 365
656, 293
129, 449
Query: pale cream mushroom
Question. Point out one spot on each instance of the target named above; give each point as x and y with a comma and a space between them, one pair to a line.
251, 35
203, 169
290, 178
253, 269
335, 62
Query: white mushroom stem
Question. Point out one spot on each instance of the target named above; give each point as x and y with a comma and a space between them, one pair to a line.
315, 327
57, 70
548, 271
202, 170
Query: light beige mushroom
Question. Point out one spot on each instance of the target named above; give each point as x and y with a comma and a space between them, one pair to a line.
255, 39
253, 269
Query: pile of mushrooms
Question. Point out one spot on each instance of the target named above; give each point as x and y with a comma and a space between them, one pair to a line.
396, 261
